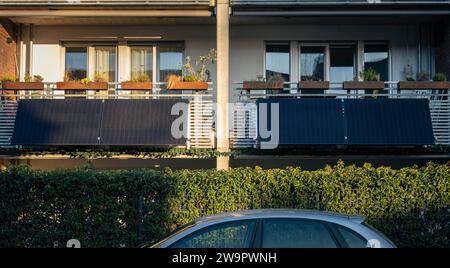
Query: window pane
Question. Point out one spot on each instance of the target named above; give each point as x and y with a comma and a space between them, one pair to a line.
312, 63
230, 235
352, 239
141, 62
277, 60
289, 233
342, 63
376, 56
76, 63
105, 63
170, 62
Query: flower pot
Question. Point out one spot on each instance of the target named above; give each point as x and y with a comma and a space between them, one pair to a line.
188, 86
367, 85
423, 85
82, 86
22, 86
261, 85
136, 85
321, 85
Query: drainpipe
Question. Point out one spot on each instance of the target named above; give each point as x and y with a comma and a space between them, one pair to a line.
223, 43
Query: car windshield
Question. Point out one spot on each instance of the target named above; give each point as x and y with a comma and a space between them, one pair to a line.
173, 233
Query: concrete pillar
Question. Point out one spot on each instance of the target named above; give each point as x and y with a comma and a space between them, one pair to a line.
223, 46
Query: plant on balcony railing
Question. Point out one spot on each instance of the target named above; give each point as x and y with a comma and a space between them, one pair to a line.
139, 82
424, 82
194, 78
370, 82
73, 84
29, 83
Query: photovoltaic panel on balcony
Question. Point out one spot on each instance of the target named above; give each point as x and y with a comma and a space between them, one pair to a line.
57, 122
307, 121
388, 122
351, 121
139, 122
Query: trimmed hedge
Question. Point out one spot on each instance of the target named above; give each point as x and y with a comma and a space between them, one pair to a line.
126, 208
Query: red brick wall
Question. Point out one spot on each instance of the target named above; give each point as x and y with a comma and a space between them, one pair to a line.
7, 50
442, 49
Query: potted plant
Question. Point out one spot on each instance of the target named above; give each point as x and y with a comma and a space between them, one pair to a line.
193, 78
423, 82
370, 81
99, 83
29, 83
140, 82
257, 84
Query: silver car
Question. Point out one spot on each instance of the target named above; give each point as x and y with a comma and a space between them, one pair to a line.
276, 228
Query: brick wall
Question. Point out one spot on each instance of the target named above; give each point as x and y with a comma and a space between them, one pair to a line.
7, 49
442, 49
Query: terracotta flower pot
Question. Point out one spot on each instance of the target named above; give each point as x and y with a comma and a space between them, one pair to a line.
321, 85
261, 85
367, 85
423, 85
22, 86
188, 86
82, 86
136, 85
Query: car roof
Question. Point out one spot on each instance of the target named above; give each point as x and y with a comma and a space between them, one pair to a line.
291, 213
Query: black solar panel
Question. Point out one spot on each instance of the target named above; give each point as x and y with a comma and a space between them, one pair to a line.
309, 121
139, 122
57, 122
95, 122
353, 121
389, 122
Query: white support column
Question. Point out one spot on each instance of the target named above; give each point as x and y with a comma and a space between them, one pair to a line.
223, 45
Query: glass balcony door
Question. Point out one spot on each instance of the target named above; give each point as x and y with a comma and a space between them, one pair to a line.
342, 63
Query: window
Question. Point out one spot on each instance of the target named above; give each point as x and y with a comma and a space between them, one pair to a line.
352, 239
142, 62
105, 63
376, 56
277, 59
237, 234
293, 233
342, 63
170, 61
76, 63
312, 63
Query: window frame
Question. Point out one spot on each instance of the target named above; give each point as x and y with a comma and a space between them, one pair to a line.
251, 236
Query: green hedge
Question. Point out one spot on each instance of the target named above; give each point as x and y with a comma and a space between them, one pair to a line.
126, 208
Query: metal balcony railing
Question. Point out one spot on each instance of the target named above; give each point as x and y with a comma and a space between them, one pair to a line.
244, 132
200, 113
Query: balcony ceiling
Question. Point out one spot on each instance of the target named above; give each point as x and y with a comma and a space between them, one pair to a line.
74, 21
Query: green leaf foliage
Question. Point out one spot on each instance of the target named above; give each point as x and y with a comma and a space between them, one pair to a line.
130, 207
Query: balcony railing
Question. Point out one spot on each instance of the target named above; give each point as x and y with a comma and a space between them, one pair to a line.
244, 132
200, 106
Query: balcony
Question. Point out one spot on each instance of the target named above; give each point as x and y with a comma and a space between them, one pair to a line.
396, 114
111, 116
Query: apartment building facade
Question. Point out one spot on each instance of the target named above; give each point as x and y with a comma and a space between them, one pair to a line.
290, 76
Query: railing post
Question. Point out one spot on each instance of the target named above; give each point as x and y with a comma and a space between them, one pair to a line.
223, 144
